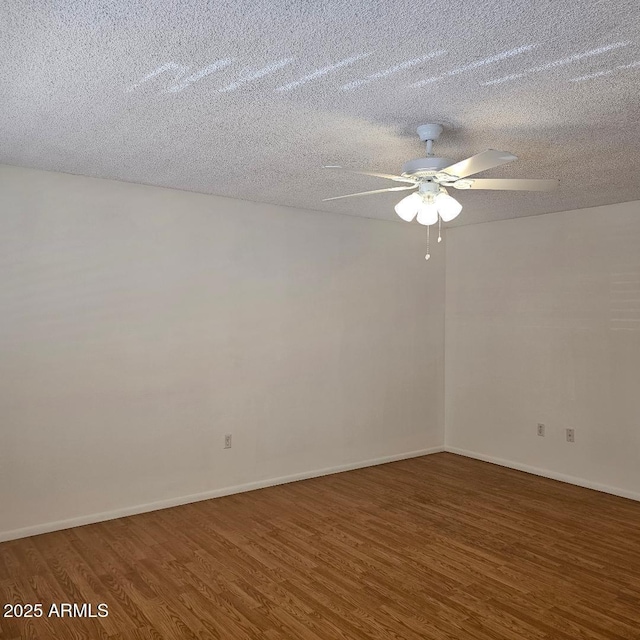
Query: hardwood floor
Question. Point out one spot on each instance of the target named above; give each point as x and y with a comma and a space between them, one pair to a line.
435, 547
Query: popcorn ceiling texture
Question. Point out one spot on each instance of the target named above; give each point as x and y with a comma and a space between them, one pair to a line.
250, 99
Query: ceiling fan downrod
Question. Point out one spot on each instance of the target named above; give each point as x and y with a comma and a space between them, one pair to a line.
429, 133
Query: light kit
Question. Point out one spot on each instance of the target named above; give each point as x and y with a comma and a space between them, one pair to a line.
431, 201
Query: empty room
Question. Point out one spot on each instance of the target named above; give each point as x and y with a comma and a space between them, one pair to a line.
319, 320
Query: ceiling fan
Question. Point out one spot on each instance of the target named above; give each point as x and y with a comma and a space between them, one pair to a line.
431, 176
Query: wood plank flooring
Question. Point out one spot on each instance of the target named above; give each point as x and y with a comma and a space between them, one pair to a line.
440, 547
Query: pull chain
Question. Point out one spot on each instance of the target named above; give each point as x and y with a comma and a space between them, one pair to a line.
428, 254
439, 229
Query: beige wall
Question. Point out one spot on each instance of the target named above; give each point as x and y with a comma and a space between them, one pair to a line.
138, 325
543, 325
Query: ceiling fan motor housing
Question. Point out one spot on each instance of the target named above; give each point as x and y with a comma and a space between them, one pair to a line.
425, 167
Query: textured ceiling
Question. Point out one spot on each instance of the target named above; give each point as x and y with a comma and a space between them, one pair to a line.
250, 99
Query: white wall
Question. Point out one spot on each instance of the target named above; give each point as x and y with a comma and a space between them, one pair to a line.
138, 325
543, 325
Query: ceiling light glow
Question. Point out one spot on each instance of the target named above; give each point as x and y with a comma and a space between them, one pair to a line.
180, 70
321, 72
391, 70
559, 63
606, 72
474, 65
198, 75
257, 75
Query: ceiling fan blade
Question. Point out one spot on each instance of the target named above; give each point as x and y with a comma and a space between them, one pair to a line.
368, 193
375, 174
508, 184
480, 162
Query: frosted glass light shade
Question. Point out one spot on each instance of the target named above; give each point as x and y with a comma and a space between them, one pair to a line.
408, 207
427, 214
448, 207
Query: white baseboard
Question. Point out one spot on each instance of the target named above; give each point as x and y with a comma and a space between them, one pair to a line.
546, 473
207, 495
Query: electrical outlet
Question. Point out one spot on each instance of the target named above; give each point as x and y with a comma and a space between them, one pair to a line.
541, 429
227, 441
571, 435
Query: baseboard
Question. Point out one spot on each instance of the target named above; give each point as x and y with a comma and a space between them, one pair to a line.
207, 495
546, 473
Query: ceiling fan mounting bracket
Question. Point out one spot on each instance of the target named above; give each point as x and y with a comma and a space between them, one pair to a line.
429, 131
